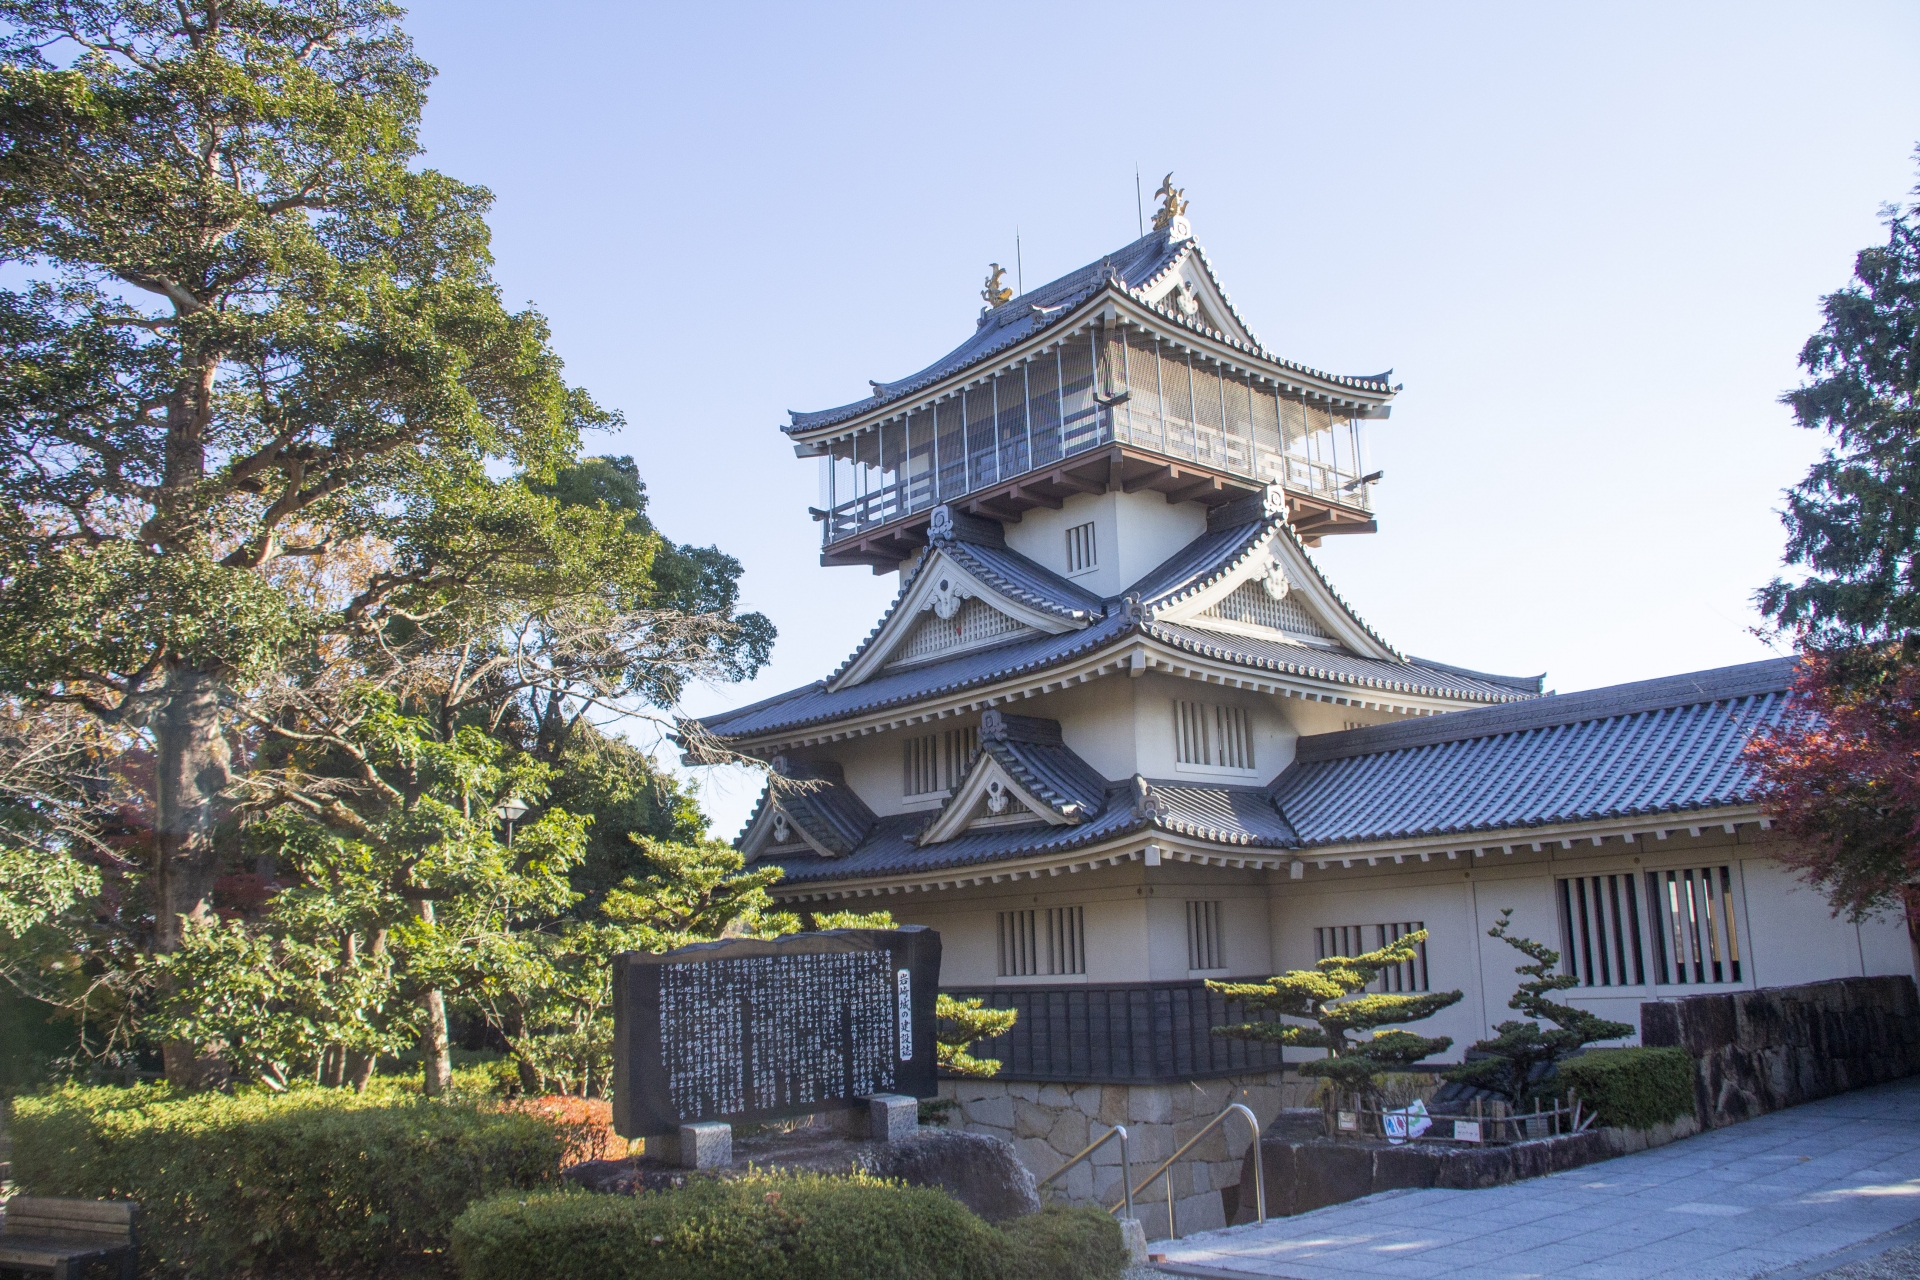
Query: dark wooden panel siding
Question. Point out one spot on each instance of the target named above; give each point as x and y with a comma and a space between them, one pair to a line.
1124, 1033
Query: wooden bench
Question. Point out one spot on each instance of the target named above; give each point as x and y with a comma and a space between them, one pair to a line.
67, 1237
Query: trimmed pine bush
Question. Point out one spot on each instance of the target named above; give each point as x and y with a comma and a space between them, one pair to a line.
776, 1227
1633, 1088
313, 1179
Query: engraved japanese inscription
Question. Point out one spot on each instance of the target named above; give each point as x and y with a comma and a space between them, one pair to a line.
751, 1029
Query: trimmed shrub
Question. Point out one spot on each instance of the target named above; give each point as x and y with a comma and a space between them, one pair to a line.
776, 1226
313, 1179
1633, 1088
1081, 1243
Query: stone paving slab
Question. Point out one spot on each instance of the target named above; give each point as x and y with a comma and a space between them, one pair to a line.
1772, 1195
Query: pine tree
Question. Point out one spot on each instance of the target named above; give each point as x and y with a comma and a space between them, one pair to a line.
1327, 995
1522, 1048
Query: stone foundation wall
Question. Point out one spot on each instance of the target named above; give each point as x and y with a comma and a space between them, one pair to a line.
1050, 1123
1759, 1051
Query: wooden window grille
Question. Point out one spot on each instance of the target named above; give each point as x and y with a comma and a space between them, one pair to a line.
1695, 940
1600, 931
1358, 939
935, 762
1250, 603
1082, 553
957, 747
1212, 735
1042, 942
1206, 942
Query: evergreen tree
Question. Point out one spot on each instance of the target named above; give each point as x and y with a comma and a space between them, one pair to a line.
1521, 1049
1327, 995
1837, 770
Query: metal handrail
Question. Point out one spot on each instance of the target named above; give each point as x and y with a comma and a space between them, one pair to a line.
1166, 1167
1126, 1169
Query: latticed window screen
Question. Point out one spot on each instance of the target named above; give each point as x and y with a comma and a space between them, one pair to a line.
1694, 936
1600, 931
1358, 939
1206, 733
937, 761
1082, 553
1250, 603
1042, 942
974, 622
1206, 944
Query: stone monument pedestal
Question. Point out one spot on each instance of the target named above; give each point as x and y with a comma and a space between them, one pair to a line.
883, 1117
708, 1145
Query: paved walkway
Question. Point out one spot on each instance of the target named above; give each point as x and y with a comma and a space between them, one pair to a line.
1771, 1195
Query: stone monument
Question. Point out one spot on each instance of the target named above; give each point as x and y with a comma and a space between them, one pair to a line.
747, 1029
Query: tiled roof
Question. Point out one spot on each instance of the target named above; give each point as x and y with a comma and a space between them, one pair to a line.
1134, 267
1034, 754
1211, 554
1001, 568
1655, 747
829, 810
1658, 747
816, 704
1013, 574
1335, 665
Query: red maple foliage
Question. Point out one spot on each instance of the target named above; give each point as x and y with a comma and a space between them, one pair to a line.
1840, 774
585, 1123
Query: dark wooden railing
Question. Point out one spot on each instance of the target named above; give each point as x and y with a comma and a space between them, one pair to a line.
1122, 1033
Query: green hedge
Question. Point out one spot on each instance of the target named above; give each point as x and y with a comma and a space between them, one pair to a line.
776, 1227
317, 1178
1633, 1088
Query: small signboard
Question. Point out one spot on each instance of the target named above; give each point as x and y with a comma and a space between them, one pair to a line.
1347, 1121
1466, 1131
748, 1029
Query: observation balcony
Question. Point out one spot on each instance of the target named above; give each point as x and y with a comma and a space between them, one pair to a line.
1101, 412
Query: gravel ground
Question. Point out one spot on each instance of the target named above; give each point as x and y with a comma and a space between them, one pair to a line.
1902, 1263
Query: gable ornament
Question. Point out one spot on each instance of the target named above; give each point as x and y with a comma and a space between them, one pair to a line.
1275, 580
781, 831
1187, 298
947, 595
997, 797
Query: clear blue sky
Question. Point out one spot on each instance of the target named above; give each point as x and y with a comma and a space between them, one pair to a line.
1590, 240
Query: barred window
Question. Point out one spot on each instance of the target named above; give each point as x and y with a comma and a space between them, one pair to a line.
1082, 554
1600, 931
1042, 941
1214, 736
1691, 913
1206, 943
936, 762
1358, 939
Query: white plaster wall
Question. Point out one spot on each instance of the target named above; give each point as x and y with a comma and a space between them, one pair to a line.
1153, 727
1133, 534
876, 766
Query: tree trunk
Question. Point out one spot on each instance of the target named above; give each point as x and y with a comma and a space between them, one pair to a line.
191, 768
333, 1066
360, 1070
435, 1049
516, 1031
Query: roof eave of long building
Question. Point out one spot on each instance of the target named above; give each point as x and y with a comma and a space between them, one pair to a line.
1154, 845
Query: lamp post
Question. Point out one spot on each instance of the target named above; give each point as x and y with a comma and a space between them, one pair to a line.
510, 811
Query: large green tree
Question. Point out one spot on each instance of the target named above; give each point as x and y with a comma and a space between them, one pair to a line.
1839, 771
250, 329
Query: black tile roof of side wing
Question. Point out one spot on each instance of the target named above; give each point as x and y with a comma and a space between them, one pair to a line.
1771, 675
1658, 747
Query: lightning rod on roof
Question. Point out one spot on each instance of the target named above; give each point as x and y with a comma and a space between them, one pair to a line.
1139, 201
1019, 271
